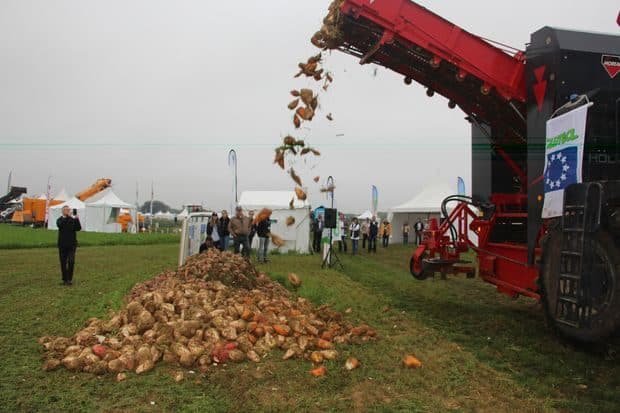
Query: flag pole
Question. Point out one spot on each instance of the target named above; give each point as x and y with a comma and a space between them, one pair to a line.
136, 221
151, 209
47, 201
232, 162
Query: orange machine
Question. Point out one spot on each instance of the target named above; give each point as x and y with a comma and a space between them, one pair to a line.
33, 211
126, 218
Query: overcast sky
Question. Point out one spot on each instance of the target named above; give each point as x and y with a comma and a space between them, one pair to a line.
148, 90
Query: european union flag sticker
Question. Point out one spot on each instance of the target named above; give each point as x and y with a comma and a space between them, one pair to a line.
561, 169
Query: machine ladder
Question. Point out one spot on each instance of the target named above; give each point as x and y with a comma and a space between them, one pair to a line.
581, 219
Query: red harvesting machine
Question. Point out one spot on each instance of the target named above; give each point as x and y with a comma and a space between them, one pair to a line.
571, 262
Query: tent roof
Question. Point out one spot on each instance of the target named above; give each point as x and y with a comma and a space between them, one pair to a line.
270, 199
96, 197
73, 203
365, 215
110, 200
62, 195
428, 200
42, 196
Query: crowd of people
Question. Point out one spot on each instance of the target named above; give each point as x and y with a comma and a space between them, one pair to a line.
242, 229
370, 231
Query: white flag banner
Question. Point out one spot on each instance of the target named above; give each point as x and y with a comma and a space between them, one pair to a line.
563, 157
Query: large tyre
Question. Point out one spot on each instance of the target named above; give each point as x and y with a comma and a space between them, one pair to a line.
605, 277
419, 270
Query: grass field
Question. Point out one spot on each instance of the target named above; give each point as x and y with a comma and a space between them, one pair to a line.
14, 237
481, 351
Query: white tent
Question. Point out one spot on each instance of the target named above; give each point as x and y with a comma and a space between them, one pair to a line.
102, 215
366, 215
297, 236
425, 205
62, 196
56, 212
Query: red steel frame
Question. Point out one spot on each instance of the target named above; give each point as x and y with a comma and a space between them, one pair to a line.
440, 43
447, 42
503, 264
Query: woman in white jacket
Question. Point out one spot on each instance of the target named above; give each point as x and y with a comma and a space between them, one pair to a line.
354, 228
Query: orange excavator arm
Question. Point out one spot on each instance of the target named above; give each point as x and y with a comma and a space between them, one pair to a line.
94, 189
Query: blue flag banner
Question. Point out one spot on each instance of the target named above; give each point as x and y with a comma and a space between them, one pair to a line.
375, 200
563, 157
460, 184
561, 169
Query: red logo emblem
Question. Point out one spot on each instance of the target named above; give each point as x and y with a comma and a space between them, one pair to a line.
611, 64
540, 87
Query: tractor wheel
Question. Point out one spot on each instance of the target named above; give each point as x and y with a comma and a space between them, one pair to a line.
419, 270
605, 287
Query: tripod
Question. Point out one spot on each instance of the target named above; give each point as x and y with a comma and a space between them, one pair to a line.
331, 254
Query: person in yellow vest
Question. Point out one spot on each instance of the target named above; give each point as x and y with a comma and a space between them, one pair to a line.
385, 232
406, 231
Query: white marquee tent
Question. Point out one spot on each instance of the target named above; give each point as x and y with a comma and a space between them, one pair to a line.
366, 215
297, 236
62, 196
102, 214
425, 205
56, 212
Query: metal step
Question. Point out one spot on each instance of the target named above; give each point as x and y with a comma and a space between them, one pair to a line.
568, 299
571, 253
572, 277
568, 323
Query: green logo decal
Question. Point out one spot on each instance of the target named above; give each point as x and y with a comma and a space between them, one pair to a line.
562, 138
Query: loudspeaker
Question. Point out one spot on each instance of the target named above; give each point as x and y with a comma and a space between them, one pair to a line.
331, 218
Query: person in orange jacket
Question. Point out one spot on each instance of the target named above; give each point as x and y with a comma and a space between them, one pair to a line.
385, 232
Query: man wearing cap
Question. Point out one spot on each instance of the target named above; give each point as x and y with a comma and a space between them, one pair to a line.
239, 228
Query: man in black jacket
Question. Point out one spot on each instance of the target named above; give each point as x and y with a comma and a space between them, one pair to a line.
319, 225
373, 231
67, 243
263, 230
419, 229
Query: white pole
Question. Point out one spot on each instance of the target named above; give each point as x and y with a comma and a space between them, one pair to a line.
232, 162
182, 245
151, 209
136, 222
47, 201
8, 186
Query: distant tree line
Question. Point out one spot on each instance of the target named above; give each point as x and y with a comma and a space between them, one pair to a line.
158, 206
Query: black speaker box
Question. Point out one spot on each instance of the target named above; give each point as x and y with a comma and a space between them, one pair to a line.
331, 218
